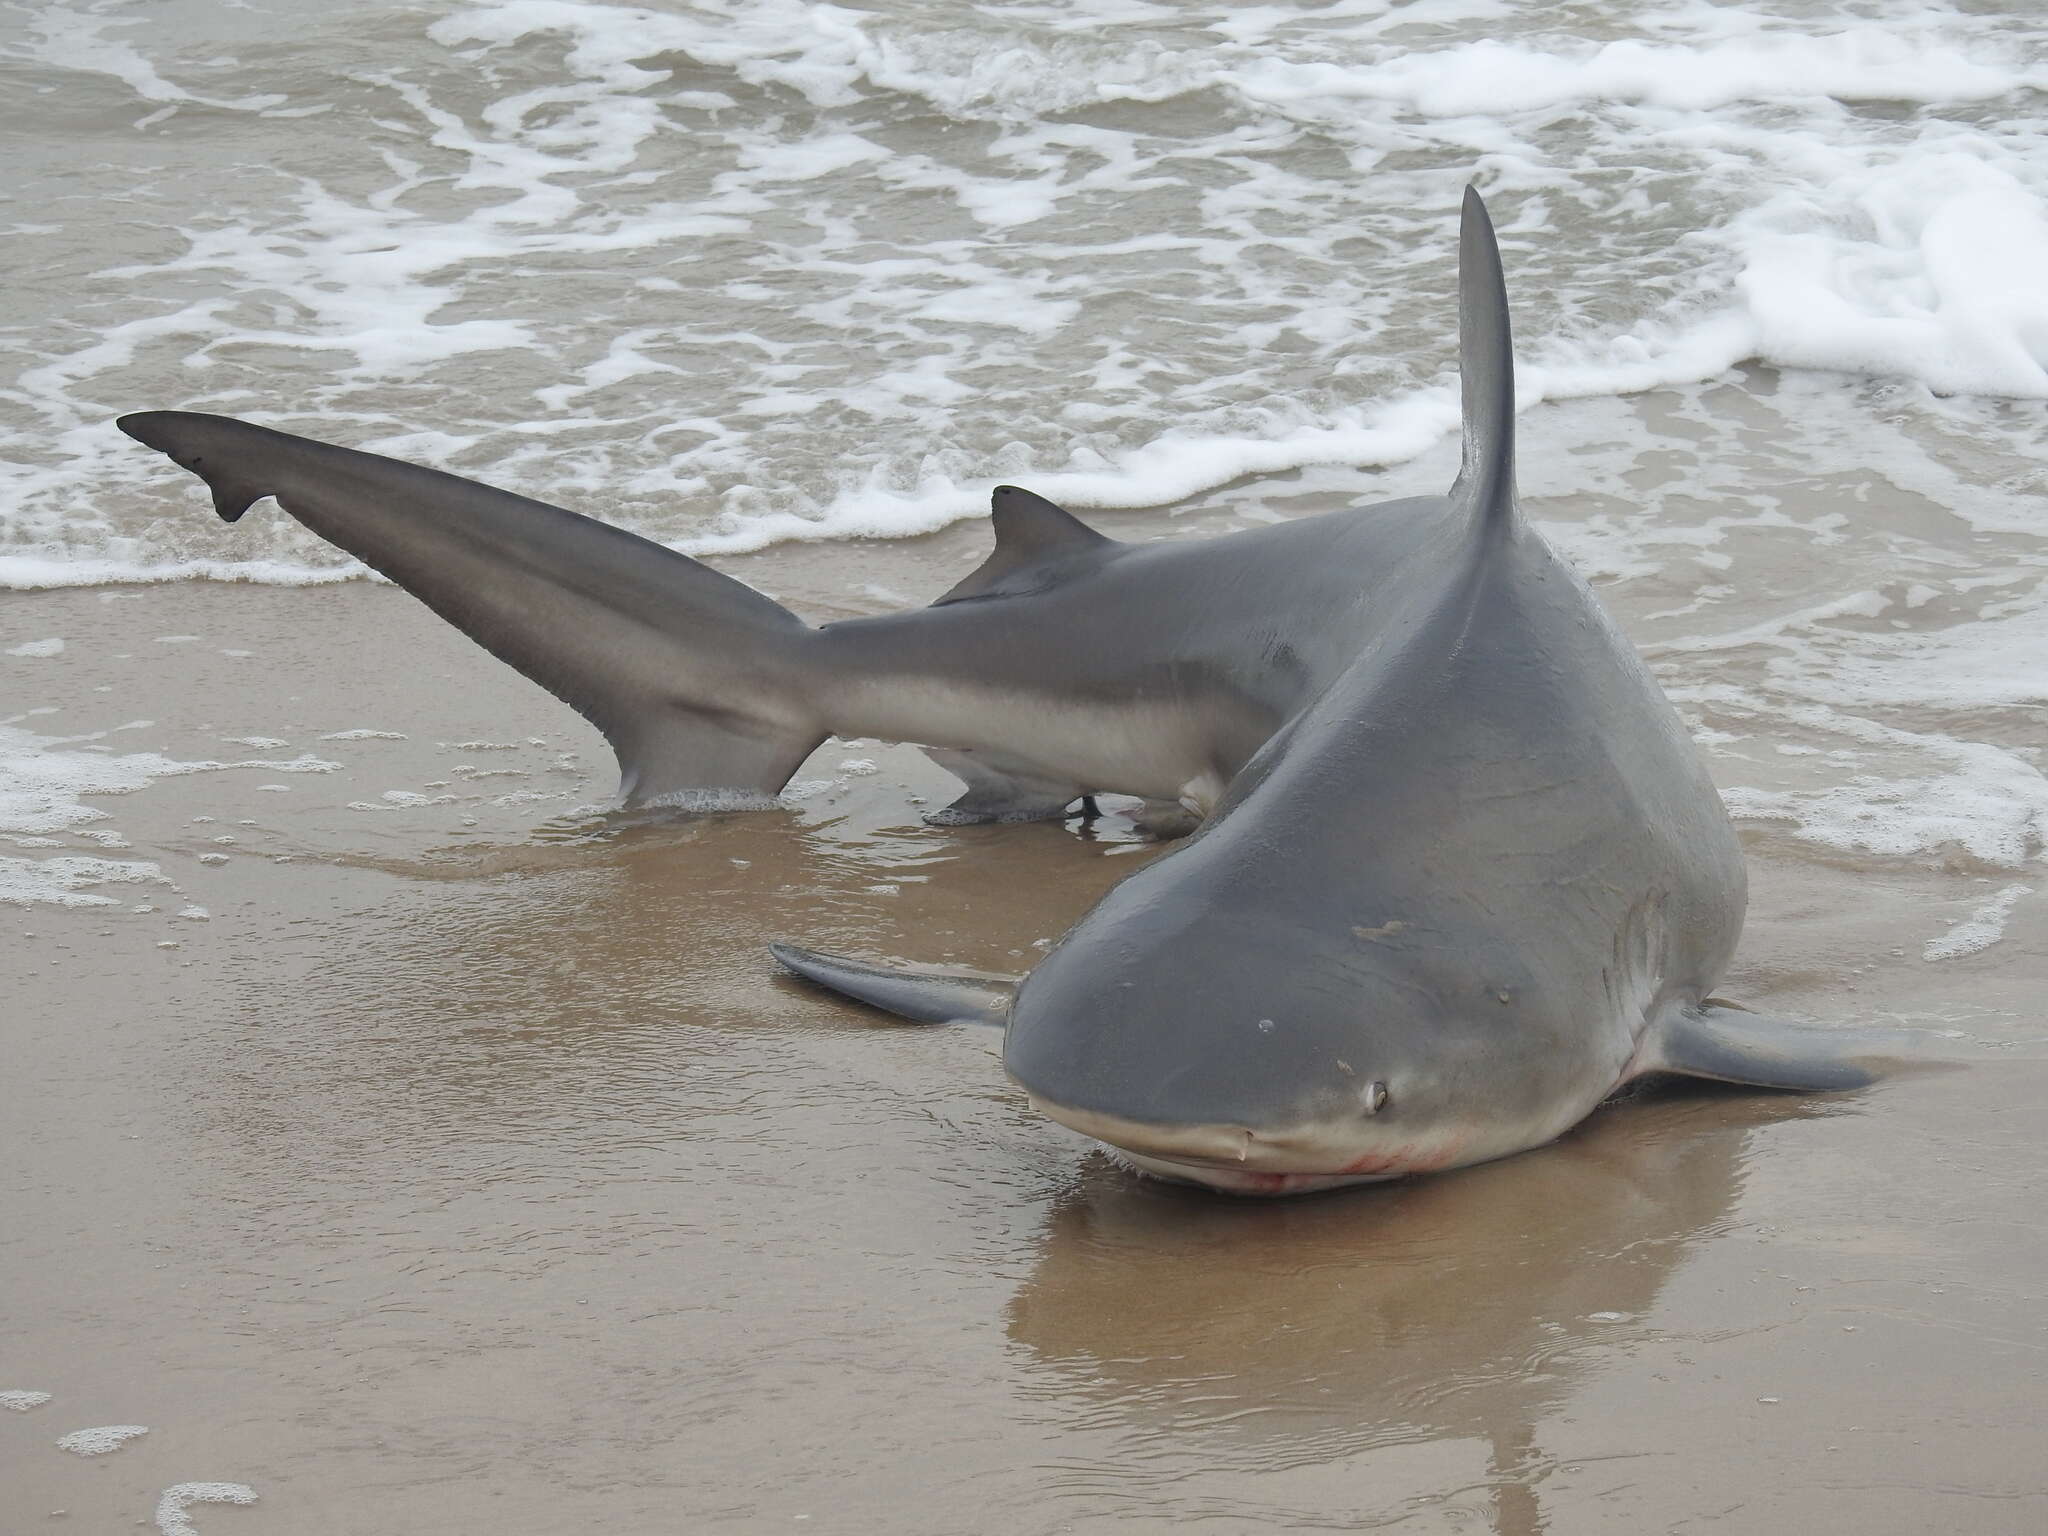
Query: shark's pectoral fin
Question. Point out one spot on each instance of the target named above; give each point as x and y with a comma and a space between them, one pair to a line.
921, 998
1732, 1045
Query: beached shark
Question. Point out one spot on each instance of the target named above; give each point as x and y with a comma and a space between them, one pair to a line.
1461, 874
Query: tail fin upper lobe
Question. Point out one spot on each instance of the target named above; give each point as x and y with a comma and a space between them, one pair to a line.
694, 678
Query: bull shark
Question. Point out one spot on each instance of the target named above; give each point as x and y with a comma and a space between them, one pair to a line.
1460, 875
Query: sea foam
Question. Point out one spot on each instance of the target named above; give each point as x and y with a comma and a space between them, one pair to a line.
750, 273
1983, 928
48, 786
98, 1442
172, 1517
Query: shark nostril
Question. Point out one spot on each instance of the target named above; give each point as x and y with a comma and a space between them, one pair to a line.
1374, 1097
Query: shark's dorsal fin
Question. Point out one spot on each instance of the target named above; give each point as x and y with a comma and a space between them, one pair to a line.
1486, 375
1032, 535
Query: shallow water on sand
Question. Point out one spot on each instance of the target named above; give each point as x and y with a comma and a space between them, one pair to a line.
466, 1166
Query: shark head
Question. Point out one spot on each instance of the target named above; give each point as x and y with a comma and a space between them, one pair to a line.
1255, 1044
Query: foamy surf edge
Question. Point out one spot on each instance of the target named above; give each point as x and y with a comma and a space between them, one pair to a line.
1789, 229
1925, 272
171, 1507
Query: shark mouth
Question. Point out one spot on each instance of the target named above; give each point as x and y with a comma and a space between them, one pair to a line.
1240, 1161
1240, 1181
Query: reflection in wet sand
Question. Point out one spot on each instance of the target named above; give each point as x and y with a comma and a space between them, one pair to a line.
1461, 1307
609, 980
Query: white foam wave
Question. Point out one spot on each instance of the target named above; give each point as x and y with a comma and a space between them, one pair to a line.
67, 880
1490, 78
42, 777
1990, 806
46, 784
1926, 266
1980, 930
97, 1442
53, 571
21, 1399
1169, 468
835, 57
755, 272
73, 39
172, 1518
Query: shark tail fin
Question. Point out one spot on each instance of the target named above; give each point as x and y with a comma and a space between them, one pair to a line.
1486, 374
696, 680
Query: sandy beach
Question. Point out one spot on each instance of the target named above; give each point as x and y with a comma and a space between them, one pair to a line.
467, 1166
399, 1140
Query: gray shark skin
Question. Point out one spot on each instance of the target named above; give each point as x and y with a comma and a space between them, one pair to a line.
1462, 876
1476, 884
1066, 664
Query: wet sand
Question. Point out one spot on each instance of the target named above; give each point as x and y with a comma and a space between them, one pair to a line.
469, 1169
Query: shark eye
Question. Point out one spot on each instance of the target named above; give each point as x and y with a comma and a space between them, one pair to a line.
1374, 1097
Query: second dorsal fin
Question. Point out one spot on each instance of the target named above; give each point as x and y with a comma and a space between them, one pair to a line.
1031, 535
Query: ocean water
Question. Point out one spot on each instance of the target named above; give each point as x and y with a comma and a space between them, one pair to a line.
740, 274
